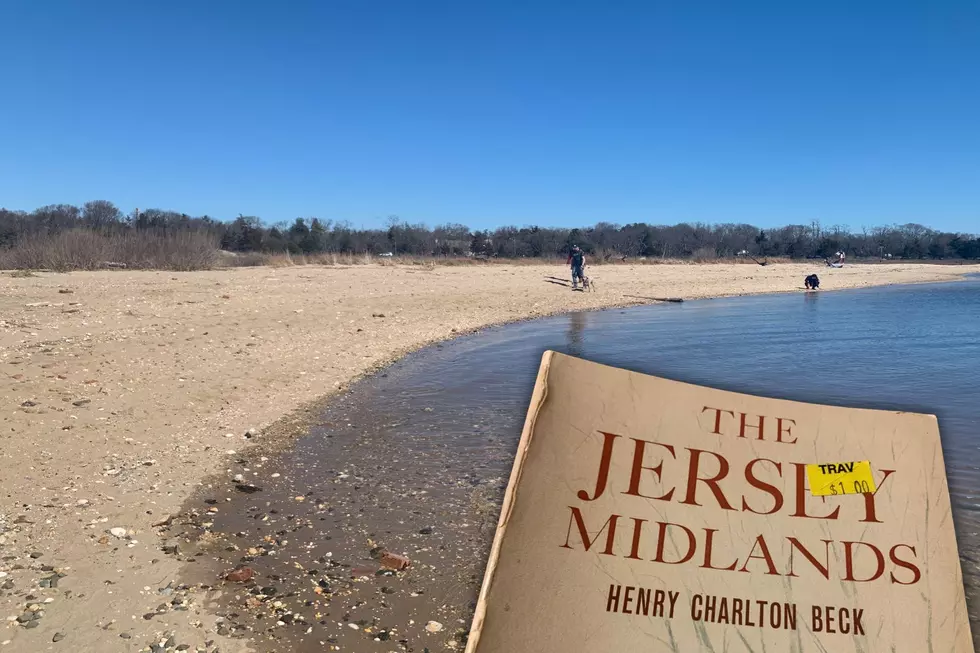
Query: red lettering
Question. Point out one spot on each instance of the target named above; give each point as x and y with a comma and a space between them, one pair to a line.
609, 439
788, 431
824, 569
801, 496
662, 541
584, 533
870, 516
849, 555
718, 412
916, 574
712, 482
761, 543
709, 539
760, 426
638, 467
637, 532
772, 490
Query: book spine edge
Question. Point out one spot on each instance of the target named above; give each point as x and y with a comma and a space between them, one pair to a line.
538, 398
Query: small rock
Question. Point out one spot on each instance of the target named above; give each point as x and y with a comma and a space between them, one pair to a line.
25, 617
31, 624
28, 404
125, 635
117, 532
65, 291
247, 488
241, 575
426, 531
172, 546
251, 433
81, 402
58, 637
81, 502
394, 561
35, 555
433, 626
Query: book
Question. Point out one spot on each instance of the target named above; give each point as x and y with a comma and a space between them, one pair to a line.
644, 514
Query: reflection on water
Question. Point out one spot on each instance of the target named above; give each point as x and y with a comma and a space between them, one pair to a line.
576, 330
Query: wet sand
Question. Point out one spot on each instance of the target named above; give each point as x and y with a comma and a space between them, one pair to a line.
126, 390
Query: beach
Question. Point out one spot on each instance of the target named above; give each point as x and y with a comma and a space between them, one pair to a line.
124, 390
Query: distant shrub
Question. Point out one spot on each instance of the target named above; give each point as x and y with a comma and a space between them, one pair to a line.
89, 249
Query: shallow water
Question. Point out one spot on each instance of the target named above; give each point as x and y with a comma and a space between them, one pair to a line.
426, 445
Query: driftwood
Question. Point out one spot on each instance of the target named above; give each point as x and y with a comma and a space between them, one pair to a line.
676, 300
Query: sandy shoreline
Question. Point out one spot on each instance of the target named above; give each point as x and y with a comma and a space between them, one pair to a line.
123, 390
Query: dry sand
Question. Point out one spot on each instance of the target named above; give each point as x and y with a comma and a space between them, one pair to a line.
122, 390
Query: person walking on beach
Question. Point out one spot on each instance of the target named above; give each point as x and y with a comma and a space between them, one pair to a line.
577, 260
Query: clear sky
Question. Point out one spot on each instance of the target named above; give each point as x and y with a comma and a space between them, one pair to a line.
497, 112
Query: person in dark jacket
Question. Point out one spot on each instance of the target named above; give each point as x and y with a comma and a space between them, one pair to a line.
577, 260
812, 282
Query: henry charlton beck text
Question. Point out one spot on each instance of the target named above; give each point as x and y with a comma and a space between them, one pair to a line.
752, 613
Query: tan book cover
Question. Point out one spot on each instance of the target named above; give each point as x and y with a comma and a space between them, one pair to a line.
650, 515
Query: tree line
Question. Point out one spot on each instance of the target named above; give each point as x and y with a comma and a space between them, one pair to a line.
604, 240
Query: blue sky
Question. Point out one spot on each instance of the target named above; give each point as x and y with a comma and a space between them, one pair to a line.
497, 112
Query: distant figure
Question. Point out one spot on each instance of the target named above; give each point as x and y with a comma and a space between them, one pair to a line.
840, 257
577, 260
812, 282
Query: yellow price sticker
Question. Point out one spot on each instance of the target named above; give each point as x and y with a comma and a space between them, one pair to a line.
831, 479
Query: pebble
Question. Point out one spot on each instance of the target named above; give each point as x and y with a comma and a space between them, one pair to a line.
117, 532
82, 502
433, 626
58, 637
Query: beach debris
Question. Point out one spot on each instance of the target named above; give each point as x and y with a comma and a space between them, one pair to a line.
240, 575
247, 488
65, 291
675, 300
390, 560
433, 626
